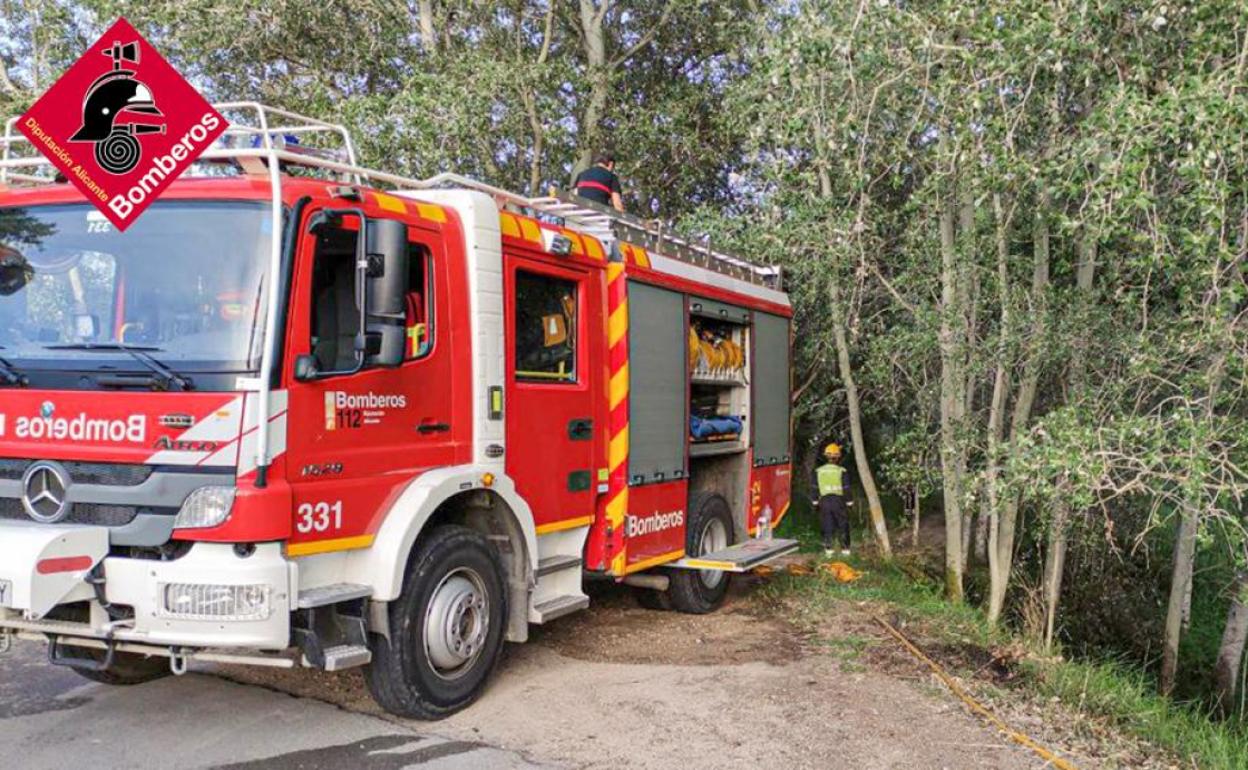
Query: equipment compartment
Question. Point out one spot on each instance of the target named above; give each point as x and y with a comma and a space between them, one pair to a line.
719, 400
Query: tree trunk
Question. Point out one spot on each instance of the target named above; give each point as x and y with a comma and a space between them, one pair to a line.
1231, 651
918, 518
593, 40
878, 525
36, 51
529, 96
6, 83
428, 35
996, 426
1023, 401
1054, 563
1055, 552
951, 403
968, 304
982, 522
1180, 585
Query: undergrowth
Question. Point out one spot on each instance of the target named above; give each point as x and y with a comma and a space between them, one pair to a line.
1114, 693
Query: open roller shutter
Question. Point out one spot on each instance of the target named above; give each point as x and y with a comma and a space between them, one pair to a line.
771, 389
656, 395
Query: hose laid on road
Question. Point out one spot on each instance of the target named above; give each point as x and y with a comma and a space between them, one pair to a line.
973, 704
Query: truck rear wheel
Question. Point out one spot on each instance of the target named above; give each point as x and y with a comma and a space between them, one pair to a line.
651, 599
710, 529
446, 628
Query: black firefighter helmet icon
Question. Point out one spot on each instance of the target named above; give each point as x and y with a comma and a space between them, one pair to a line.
116, 148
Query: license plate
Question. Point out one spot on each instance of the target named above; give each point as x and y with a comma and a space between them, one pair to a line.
6, 593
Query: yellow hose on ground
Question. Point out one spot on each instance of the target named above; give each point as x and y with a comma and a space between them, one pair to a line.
973, 704
842, 572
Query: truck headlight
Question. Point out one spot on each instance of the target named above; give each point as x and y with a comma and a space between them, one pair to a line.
205, 507
207, 601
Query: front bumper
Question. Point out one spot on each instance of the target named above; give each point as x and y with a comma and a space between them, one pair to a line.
143, 584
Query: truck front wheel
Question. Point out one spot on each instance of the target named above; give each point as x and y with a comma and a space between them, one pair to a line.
446, 628
710, 529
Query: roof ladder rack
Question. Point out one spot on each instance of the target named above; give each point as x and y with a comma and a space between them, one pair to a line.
258, 135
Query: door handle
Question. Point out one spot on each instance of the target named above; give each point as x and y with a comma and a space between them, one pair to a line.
581, 429
433, 427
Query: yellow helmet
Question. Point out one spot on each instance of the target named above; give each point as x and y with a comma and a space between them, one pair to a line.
832, 450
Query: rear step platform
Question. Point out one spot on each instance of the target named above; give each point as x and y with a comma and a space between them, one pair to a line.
741, 557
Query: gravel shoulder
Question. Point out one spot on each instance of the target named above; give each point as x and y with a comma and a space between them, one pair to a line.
622, 686
768, 681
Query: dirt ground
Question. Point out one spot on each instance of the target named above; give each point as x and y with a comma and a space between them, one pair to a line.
621, 686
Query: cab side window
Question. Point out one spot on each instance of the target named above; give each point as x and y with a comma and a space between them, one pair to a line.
546, 328
419, 305
336, 314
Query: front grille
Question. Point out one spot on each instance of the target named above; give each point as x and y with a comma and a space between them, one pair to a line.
105, 474
98, 514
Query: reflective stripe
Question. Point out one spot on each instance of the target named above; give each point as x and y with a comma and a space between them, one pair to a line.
325, 546
390, 203
831, 479
593, 185
559, 526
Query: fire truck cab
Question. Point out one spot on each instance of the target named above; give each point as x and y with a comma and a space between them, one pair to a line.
307, 413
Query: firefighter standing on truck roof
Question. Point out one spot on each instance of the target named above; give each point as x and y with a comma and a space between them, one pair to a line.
599, 183
832, 483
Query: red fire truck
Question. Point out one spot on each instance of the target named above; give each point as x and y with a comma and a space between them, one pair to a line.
306, 413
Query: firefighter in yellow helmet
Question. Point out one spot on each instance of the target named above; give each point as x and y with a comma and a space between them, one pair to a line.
830, 482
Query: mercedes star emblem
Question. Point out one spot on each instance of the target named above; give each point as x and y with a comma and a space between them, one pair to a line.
44, 492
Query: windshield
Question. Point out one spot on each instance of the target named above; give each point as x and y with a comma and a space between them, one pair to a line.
184, 284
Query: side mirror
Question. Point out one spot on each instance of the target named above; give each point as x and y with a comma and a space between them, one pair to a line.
15, 271
385, 292
305, 368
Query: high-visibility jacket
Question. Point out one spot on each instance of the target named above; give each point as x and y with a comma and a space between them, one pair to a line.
831, 479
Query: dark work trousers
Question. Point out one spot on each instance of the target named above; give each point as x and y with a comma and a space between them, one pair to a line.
834, 520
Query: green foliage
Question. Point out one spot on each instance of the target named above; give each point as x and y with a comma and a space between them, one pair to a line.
500, 92
1129, 701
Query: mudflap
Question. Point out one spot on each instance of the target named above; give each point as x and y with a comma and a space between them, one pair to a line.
741, 557
43, 565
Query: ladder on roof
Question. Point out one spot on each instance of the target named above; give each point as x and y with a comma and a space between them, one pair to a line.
258, 134
607, 224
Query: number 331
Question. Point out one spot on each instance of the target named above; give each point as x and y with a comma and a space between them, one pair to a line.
318, 517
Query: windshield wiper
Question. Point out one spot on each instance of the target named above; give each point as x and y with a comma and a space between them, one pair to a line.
163, 377
10, 376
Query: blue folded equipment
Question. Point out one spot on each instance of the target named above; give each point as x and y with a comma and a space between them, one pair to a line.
707, 428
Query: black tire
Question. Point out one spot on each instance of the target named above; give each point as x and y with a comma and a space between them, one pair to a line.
402, 677
128, 667
651, 599
690, 591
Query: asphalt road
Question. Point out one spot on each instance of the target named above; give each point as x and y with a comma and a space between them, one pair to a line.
52, 718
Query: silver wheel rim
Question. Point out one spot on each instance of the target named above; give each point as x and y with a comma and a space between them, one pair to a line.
714, 538
457, 622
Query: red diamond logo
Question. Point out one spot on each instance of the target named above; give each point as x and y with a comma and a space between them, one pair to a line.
121, 124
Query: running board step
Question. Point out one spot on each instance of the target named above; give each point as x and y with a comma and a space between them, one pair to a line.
346, 656
741, 557
557, 608
557, 564
323, 596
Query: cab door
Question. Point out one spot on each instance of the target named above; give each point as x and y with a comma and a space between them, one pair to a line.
357, 439
554, 339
